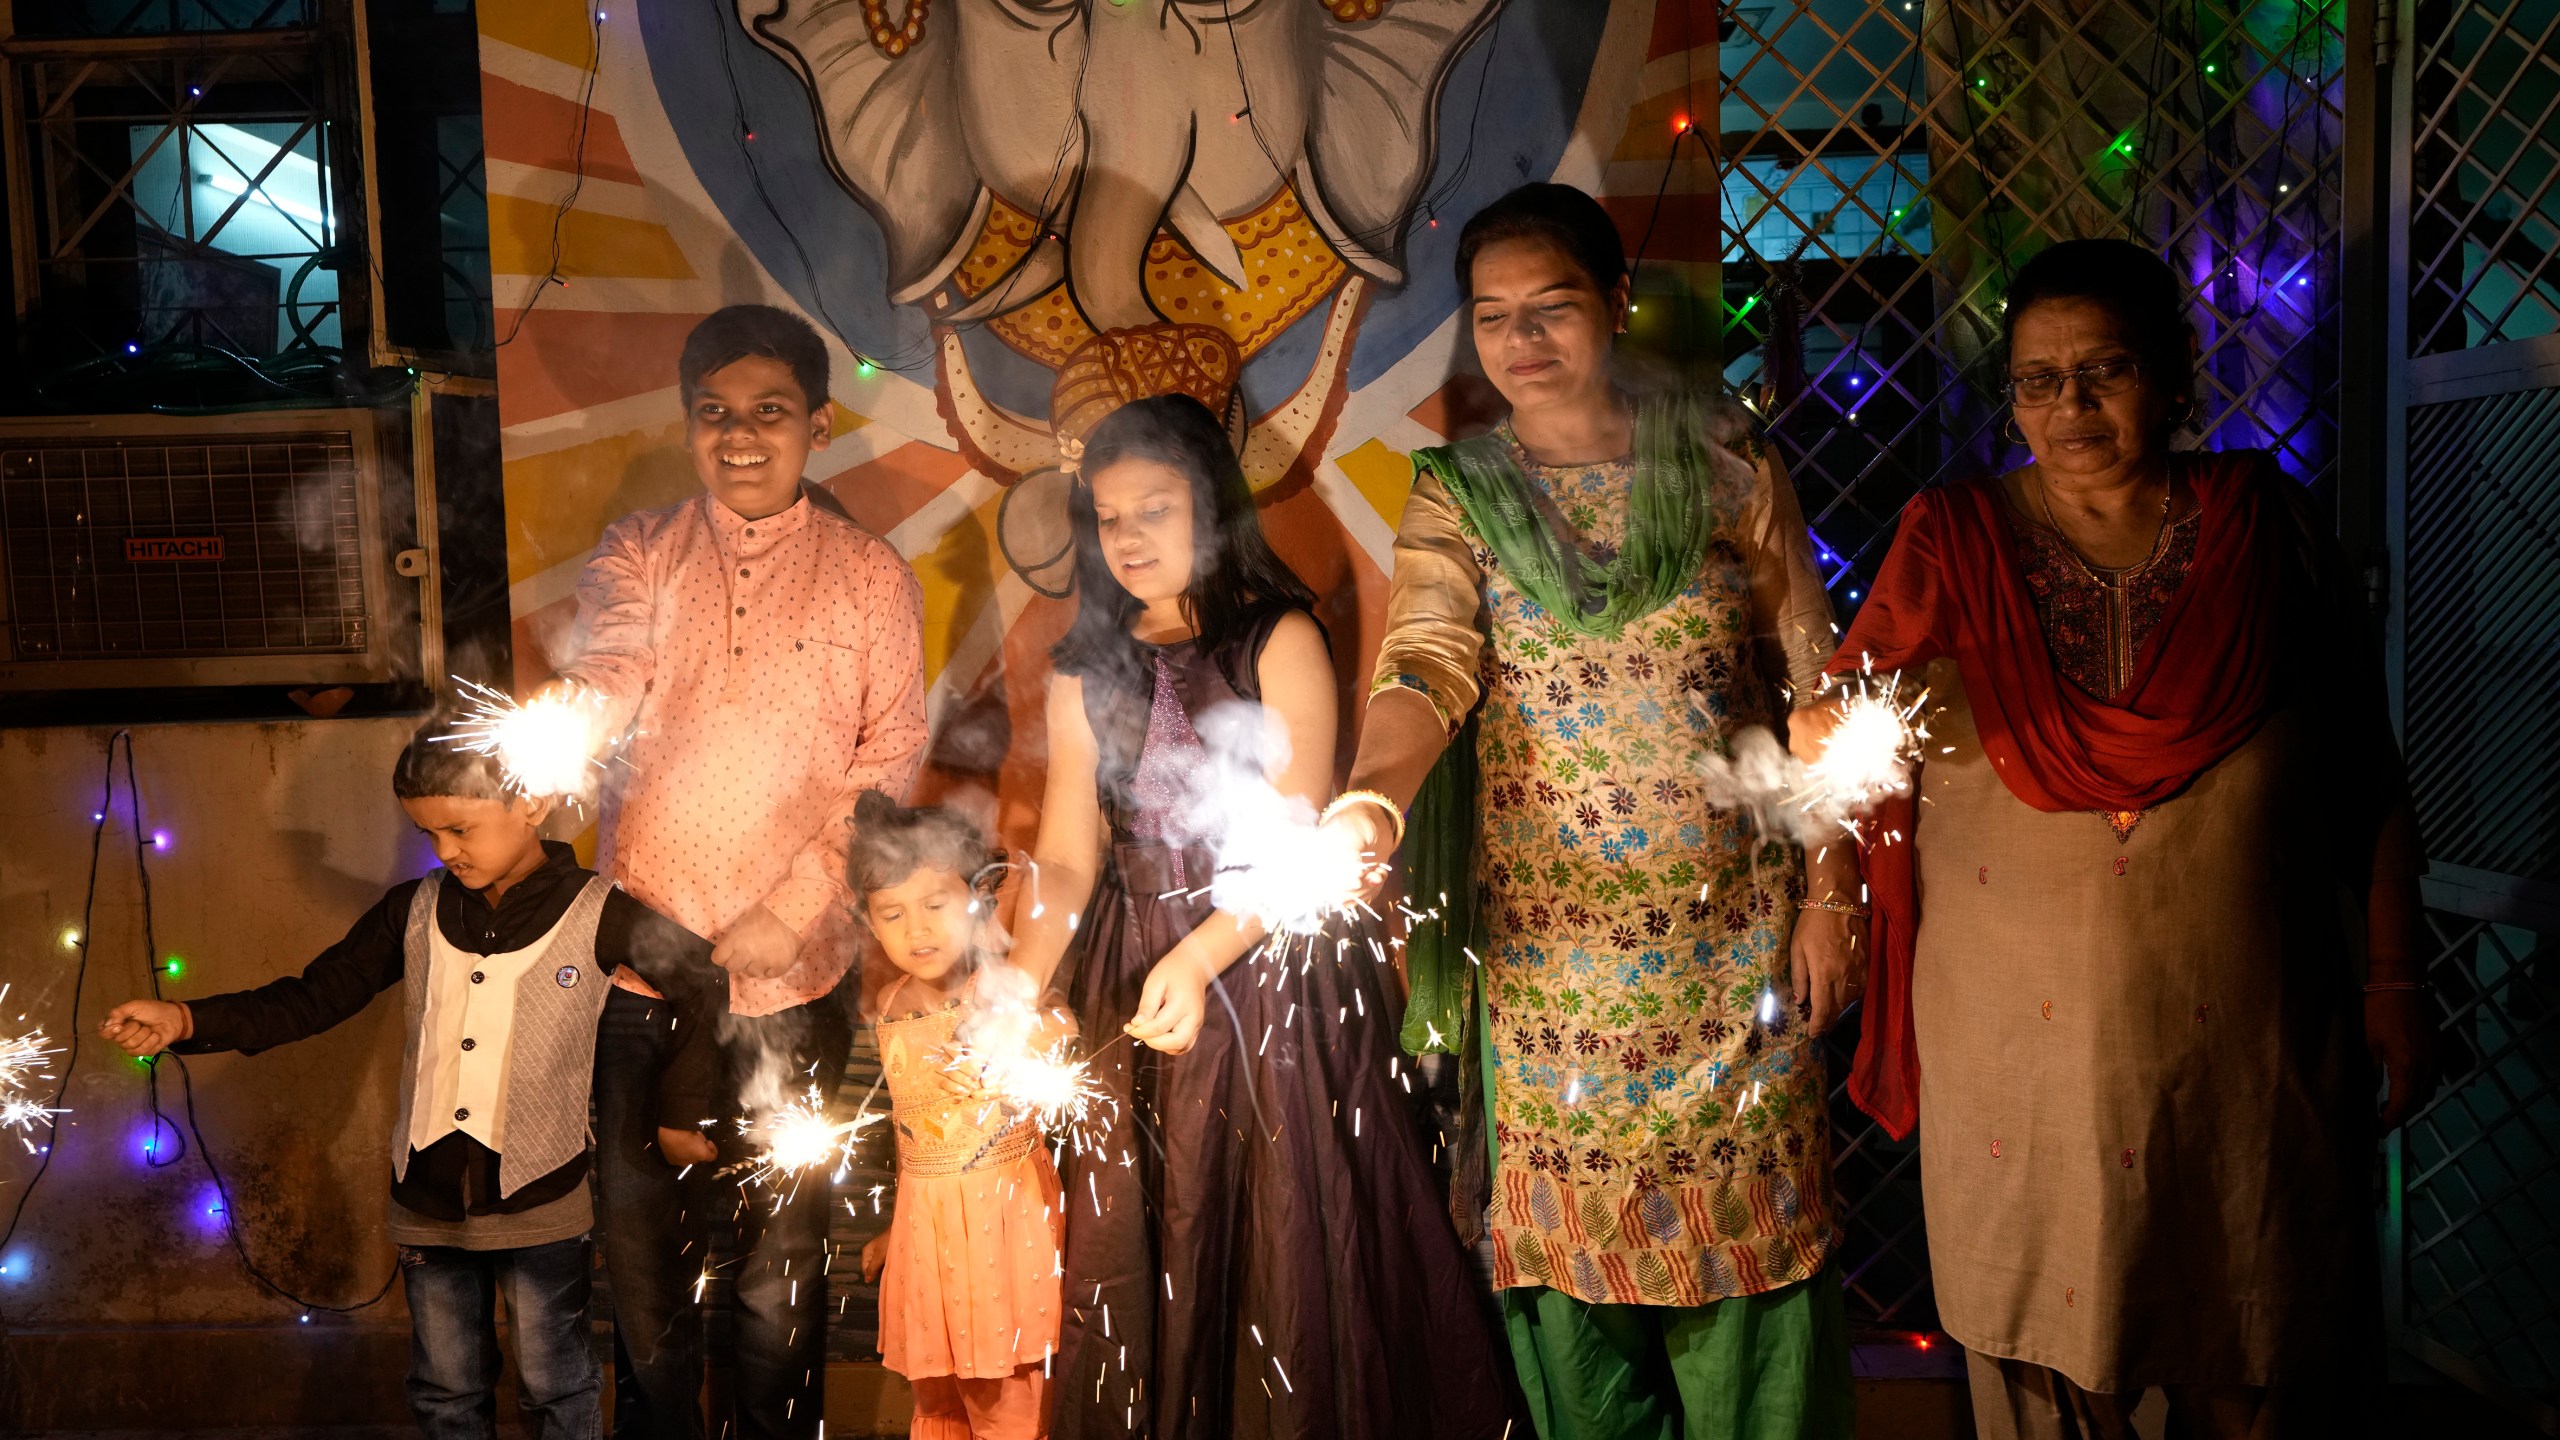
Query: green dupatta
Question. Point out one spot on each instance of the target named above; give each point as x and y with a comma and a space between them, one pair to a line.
1672, 513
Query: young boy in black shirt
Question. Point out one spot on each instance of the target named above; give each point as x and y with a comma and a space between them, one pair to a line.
503, 956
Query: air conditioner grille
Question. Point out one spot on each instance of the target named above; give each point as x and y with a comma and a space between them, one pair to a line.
232, 544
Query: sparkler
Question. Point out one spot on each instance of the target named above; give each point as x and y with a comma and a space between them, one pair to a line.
1865, 759
1868, 755
801, 1136
25, 1063
545, 746
1053, 1087
1294, 876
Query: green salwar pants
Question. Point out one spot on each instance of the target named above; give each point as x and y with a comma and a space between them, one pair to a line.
1757, 1367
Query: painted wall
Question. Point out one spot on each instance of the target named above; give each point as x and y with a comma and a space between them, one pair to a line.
277, 836
714, 162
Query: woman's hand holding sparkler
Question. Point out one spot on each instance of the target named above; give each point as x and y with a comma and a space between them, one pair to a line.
147, 1027
1173, 1004
1368, 831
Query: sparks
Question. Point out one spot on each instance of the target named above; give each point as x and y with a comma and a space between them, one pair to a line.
25, 1062
1867, 756
801, 1137
1293, 875
1053, 1088
544, 746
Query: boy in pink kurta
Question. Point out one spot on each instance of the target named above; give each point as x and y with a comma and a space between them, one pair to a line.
765, 654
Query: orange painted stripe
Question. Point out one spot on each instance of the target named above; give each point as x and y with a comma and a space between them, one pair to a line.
1688, 228
529, 127
882, 492
1465, 407
1351, 600
591, 243
564, 360
1682, 25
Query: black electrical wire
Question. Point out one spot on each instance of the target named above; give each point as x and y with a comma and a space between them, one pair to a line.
160, 1121
577, 179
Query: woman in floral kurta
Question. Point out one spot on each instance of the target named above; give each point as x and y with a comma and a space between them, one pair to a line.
1660, 1199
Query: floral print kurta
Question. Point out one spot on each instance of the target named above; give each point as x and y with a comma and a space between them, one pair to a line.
1660, 1117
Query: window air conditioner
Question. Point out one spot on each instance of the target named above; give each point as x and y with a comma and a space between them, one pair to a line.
150, 550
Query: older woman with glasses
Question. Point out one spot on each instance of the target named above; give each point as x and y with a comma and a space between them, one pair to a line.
2153, 921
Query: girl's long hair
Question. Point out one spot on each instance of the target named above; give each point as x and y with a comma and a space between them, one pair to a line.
1236, 580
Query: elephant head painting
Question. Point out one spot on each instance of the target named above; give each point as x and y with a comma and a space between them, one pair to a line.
1055, 169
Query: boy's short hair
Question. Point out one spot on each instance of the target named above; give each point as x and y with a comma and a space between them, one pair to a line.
430, 769
734, 332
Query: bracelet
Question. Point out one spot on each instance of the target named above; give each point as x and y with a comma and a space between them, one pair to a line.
2378, 987
1349, 798
1836, 907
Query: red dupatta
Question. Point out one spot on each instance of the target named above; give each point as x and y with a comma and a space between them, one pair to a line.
1951, 587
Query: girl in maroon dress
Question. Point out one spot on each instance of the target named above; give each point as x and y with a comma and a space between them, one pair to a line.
1257, 1247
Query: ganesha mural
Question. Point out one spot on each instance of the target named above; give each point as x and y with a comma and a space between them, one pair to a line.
1050, 170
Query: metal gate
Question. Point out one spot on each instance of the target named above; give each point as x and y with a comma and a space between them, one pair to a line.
1885, 165
2474, 523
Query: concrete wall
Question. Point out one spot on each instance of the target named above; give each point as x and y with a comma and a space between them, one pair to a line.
122, 1300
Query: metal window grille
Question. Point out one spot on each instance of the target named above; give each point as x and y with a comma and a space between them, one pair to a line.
1886, 165
2475, 1179
174, 193
159, 17
2484, 212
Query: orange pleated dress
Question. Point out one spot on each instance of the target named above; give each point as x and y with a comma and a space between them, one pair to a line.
971, 1287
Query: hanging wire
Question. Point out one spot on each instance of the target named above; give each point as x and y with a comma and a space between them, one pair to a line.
577, 180
160, 1121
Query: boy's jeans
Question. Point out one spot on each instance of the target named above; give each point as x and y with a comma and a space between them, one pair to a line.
453, 1339
653, 1237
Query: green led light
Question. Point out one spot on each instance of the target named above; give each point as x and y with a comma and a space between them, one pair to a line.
176, 967
1982, 82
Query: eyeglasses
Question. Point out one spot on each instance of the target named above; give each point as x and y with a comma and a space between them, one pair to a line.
2106, 377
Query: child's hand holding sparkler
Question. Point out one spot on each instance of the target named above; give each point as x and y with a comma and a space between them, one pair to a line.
147, 1027
875, 1257
1174, 1002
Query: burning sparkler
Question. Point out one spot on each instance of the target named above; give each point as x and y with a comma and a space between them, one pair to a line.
801, 1136
1294, 876
1023, 1057
26, 1062
1867, 757
1869, 753
1053, 1088
545, 746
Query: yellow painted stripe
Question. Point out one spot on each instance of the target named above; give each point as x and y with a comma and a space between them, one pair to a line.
958, 576
560, 501
602, 246
1383, 476
561, 29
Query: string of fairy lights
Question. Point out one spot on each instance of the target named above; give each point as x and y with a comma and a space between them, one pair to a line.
166, 1143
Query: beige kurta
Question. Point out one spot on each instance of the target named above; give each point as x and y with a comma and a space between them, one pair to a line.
2140, 1069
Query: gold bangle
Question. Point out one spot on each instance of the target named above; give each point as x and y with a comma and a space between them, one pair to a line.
1836, 907
1349, 798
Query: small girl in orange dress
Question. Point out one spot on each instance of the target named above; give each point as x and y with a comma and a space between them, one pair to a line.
969, 1309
